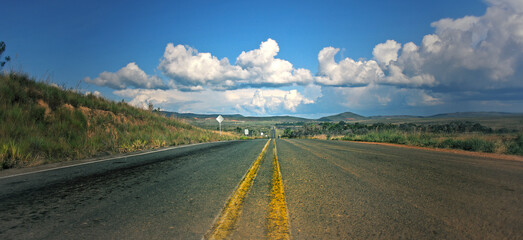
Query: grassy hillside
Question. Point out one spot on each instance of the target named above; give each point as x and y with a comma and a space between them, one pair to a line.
40, 123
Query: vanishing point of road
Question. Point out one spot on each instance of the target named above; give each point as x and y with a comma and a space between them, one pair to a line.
270, 189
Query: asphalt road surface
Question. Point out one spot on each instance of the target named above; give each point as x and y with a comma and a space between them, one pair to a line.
299, 189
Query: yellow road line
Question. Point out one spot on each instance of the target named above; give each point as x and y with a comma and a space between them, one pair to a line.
226, 221
277, 219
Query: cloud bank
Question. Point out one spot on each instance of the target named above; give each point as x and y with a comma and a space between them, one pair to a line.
467, 53
245, 101
477, 56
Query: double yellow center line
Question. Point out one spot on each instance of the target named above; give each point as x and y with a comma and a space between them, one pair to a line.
277, 226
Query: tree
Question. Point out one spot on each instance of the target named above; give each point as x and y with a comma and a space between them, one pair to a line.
7, 58
151, 106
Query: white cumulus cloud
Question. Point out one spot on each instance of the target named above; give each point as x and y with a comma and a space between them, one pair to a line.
472, 52
386, 52
347, 72
188, 68
473, 57
128, 76
351, 73
267, 69
270, 100
246, 101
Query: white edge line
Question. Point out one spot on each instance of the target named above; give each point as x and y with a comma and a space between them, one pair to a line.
109, 159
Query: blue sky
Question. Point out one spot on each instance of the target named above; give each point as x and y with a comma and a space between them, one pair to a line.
304, 58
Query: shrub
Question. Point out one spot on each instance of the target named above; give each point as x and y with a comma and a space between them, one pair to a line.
516, 146
472, 144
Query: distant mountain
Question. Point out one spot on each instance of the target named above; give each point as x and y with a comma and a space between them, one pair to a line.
199, 116
474, 114
346, 116
394, 117
279, 119
236, 117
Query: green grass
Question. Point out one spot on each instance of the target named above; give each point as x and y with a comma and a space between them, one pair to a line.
40, 123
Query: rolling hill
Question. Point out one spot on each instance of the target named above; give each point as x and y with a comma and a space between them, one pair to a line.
346, 116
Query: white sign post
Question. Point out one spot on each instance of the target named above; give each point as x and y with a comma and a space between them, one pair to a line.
220, 119
246, 132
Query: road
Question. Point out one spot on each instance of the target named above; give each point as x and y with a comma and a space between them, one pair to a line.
299, 189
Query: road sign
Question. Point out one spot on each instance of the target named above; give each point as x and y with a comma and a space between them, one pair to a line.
246, 132
220, 119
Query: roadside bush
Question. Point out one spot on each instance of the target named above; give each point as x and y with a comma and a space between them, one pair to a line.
360, 131
422, 140
516, 146
472, 144
392, 137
